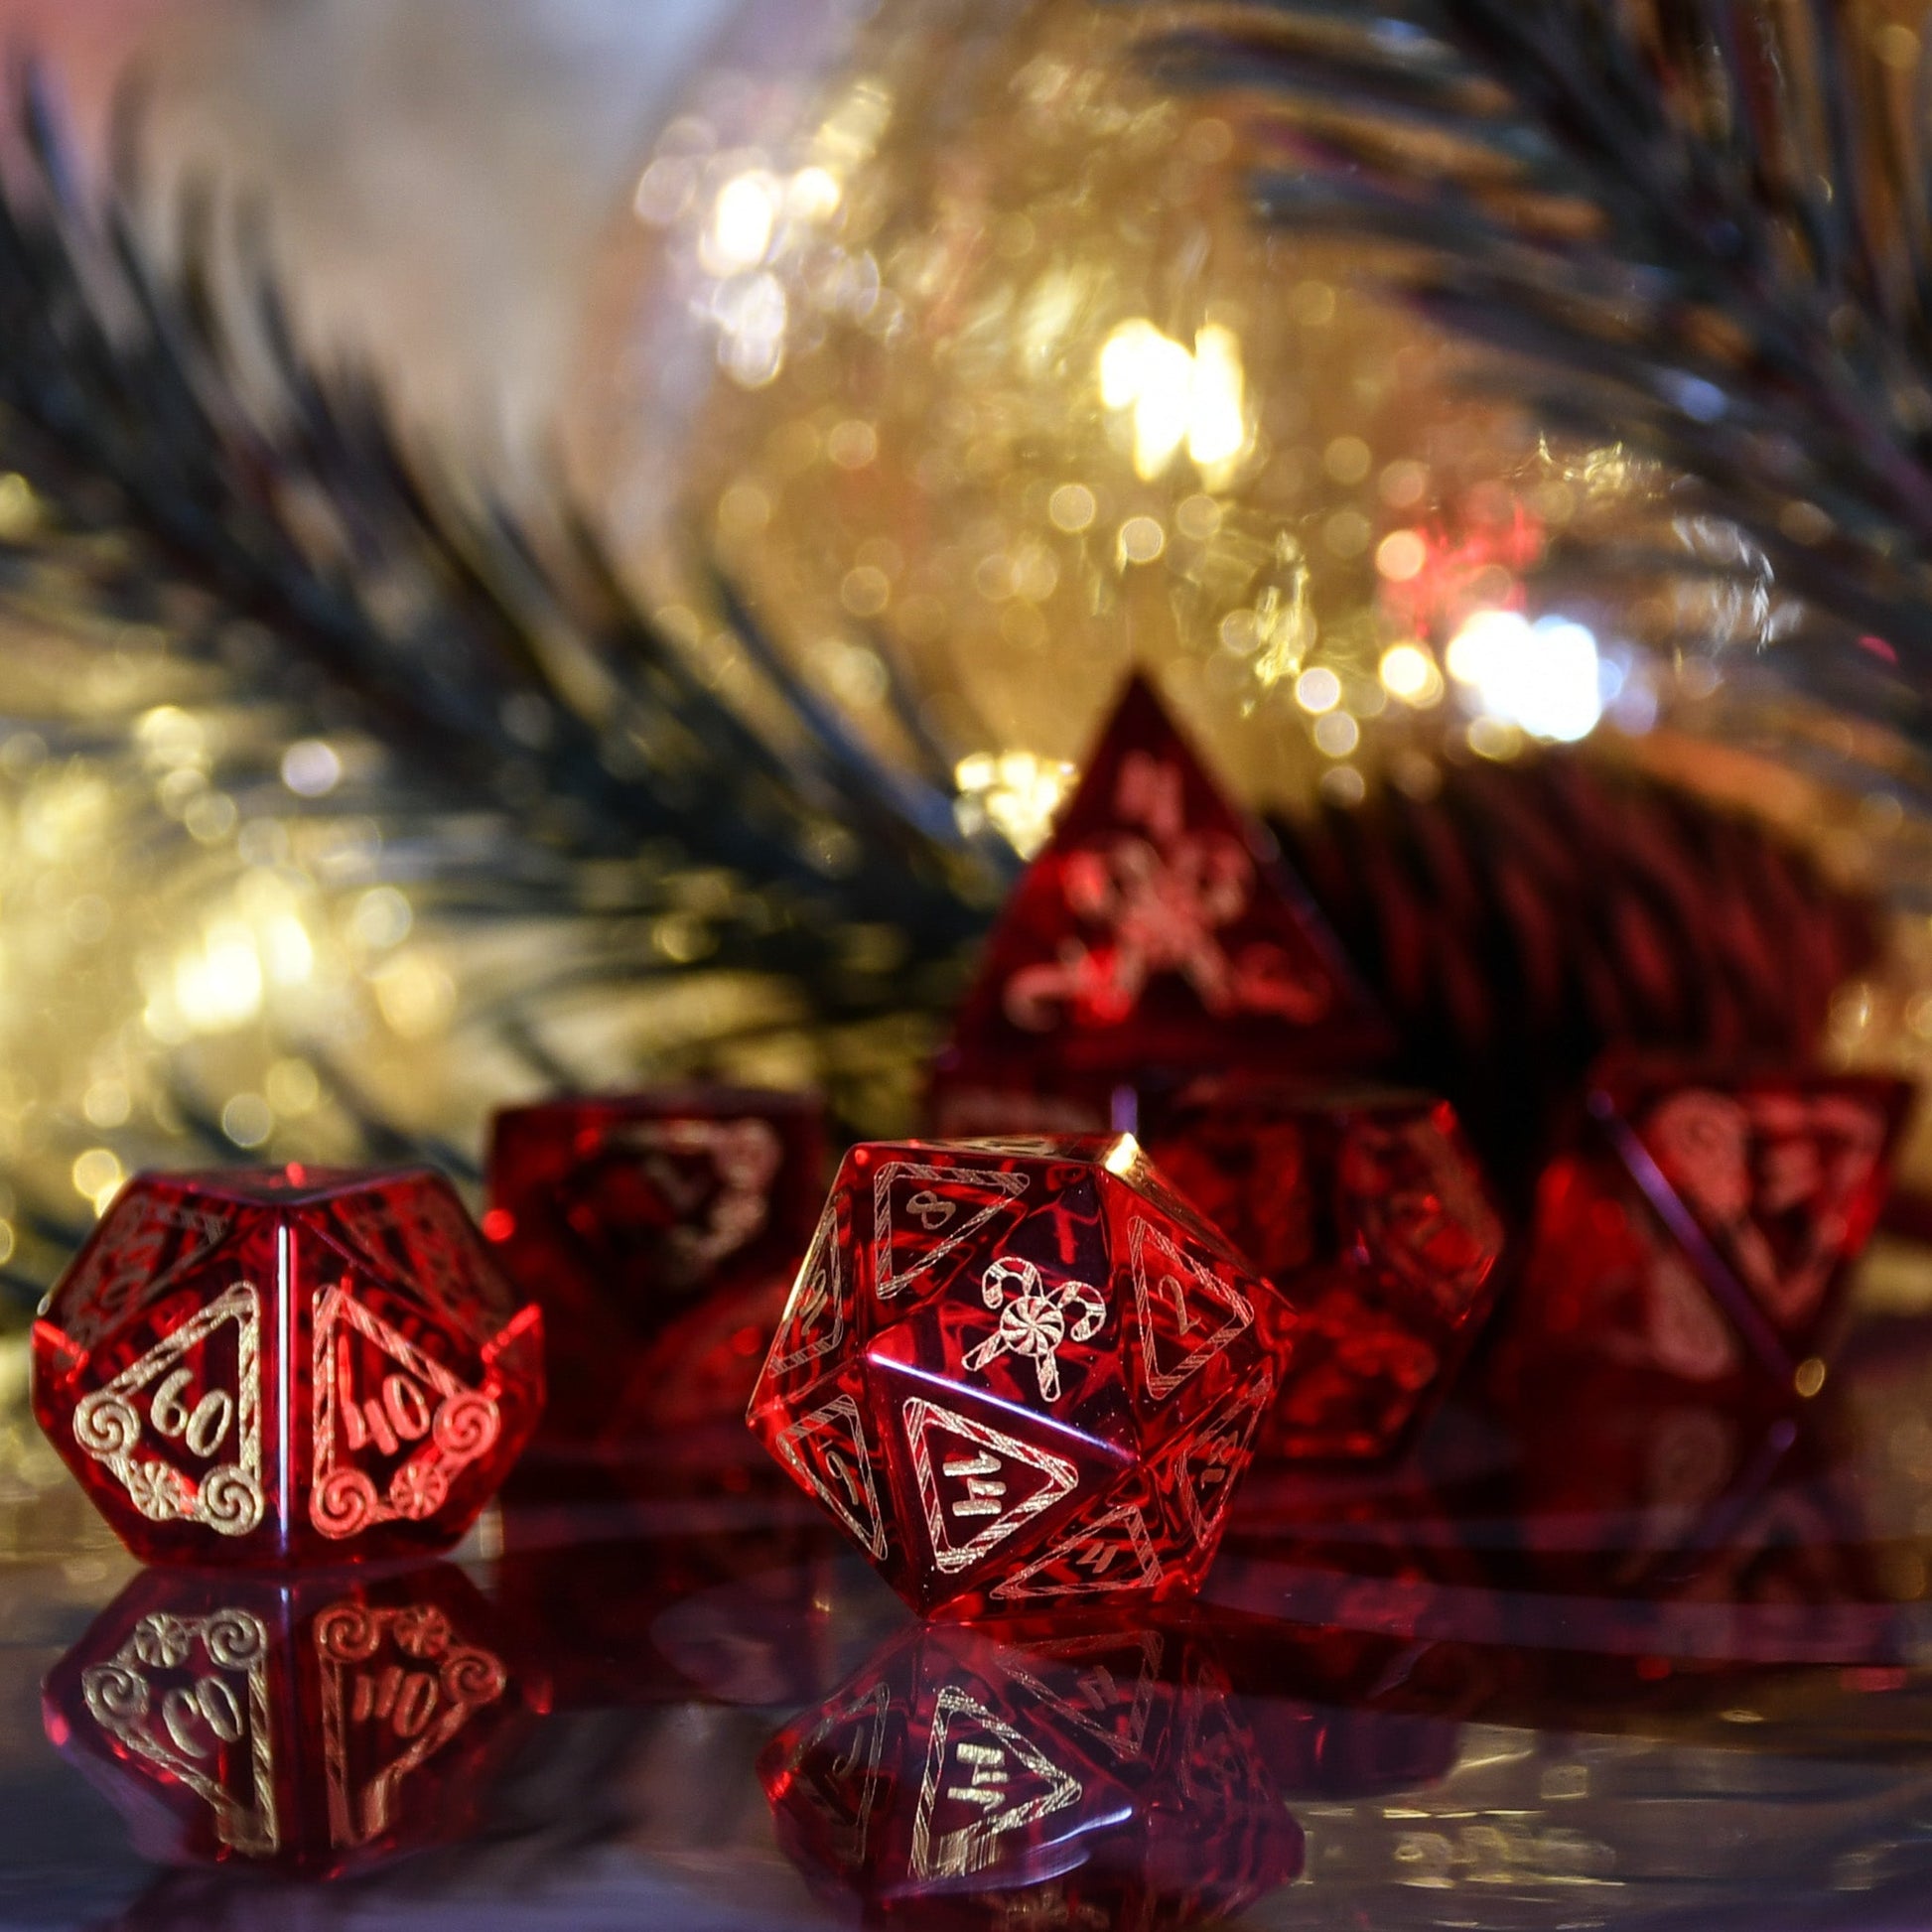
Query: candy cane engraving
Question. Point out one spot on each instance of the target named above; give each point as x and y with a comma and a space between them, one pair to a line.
1033, 1322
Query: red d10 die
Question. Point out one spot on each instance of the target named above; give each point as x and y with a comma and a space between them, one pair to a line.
1019, 1373
1158, 935
1703, 1228
660, 1232
307, 1725
281, 1366
1092, 1780
1368, 1211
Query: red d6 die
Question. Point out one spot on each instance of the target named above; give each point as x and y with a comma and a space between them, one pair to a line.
1368, 1211
1100, 1780
1703, 1229
1019, 1373
281, 1366
660, 1232
314, 1725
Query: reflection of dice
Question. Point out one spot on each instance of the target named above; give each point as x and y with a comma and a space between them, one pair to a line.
660, 1232
321, 1726
1089, 1780
1368, 1211
287, 1366
1701, 1229
1020, 1373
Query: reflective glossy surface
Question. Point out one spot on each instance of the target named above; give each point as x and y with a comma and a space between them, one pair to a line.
280, 1365
1635, 1662
322, 1726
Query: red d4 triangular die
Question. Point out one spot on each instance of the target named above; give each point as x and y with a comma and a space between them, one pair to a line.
1158, 928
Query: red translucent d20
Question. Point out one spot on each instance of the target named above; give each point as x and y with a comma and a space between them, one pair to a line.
287, 1366
1099, 1780
1368, 1211
660, 1232
299, 1726
1019, 1373
1158, 934
1703, 1227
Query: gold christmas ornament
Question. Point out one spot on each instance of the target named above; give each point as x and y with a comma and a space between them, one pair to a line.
1005, 389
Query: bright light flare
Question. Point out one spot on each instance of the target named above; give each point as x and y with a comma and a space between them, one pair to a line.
743, 219
1198, 400
1544, 677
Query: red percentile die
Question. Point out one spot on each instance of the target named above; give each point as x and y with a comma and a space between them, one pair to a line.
1020, 1373
1092, 1779
1366, 1208
1703, 1226
660, 1232
317, 1725
287, 1365
1158, 935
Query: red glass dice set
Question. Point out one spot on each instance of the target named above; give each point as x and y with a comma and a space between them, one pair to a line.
1023, 1374
1014, 1371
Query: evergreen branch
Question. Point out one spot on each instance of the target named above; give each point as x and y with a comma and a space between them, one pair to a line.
1701, 232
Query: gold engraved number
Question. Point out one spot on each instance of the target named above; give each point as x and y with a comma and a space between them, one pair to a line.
1176, 1293
203, 1427
210, 1704
401, 1415
987, 1765
982, 1497
836, 1466
929, 1210
404, 1702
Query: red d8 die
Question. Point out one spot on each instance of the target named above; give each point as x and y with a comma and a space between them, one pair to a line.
1019, 1373
282, 1366
1703, 1229
1101, 1779
660, 1232
312, 1725
1368, 1211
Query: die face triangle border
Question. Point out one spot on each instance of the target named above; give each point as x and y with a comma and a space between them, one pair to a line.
1160, 927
